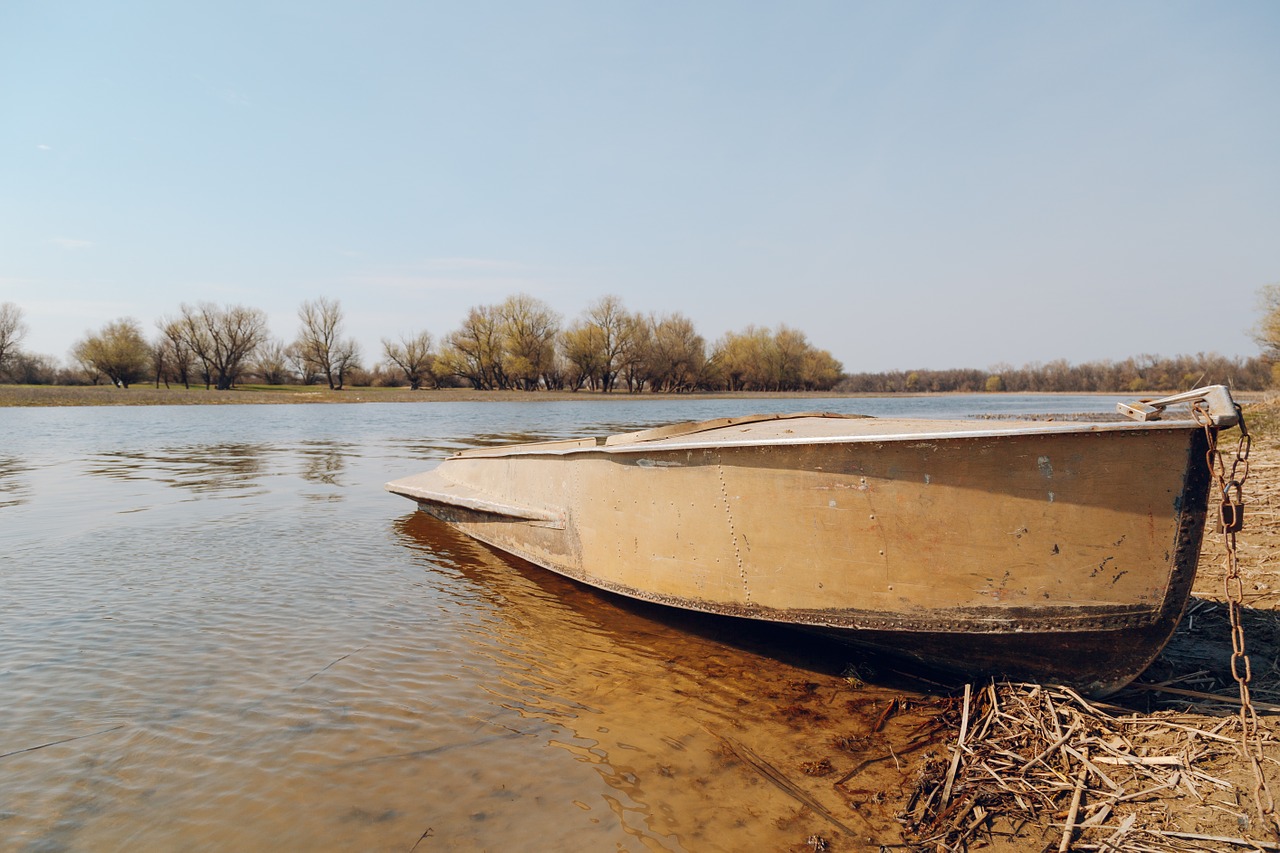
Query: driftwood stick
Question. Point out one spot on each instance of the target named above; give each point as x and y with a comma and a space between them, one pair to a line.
893, 703
1209, 697
955, 757
1067, 831
1217, 839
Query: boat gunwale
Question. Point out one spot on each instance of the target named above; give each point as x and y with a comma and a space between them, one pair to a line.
568, 447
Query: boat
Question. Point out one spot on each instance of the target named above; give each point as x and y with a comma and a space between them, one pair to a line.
1047, 550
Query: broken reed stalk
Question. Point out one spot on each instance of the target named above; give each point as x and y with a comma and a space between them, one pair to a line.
1065, 844
955, 758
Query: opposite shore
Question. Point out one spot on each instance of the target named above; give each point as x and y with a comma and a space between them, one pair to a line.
108, 395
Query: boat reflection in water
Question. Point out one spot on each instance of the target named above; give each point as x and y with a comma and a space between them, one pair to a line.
697, 740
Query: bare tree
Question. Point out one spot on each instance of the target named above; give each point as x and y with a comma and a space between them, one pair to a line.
319, 340
346, 358
785, 359
12, 331
272, 362
223, 339
474, 352
27, 368
605, 338
179, 359
529, 332
821, 370
158, 354
757, 359
302, 366
675, 354
1267, 332
412, 355
740, 356
582, 346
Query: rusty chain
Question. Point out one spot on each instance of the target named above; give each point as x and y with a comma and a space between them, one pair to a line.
1228, 487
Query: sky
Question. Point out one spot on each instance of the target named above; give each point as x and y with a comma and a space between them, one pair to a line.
912, 185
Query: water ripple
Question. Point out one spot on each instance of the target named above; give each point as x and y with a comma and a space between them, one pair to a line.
14, 488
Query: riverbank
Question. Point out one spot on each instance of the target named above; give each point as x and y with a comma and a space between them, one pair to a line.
146, 395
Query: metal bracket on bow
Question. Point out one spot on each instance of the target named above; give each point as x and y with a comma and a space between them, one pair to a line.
1221, 408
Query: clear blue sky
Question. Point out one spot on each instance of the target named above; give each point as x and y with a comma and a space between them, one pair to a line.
911, 184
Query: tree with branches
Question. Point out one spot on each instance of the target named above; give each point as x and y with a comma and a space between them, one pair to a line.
117, 350
676, 355
12, 331
320, 341
223, 339
178, 357
272, 362
474, 351
529, 331
412, 355
1267, 331
606, 337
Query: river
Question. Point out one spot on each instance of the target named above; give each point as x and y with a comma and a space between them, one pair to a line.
220, 633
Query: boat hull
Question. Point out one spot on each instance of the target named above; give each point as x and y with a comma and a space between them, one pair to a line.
1053, 555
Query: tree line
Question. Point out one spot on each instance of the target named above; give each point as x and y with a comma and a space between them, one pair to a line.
517, 344
522, 344
1137, 374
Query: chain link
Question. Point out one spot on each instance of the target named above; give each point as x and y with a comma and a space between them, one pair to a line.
1228, 488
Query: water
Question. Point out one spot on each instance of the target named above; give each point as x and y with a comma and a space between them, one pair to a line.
220, 633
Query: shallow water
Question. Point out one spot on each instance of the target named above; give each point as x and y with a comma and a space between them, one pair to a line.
219, 632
